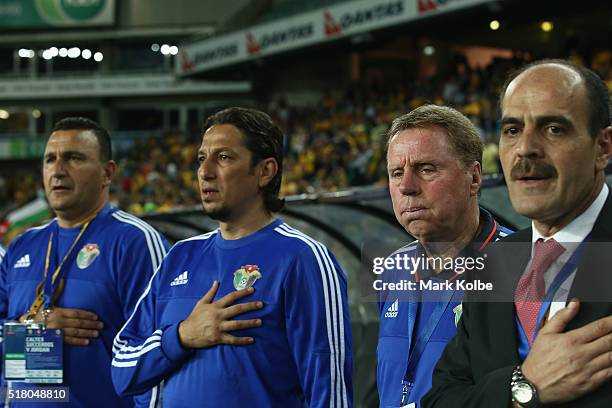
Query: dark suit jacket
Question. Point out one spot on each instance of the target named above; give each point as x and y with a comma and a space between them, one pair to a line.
476, 366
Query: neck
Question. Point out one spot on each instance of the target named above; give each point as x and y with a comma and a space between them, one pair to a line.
245, 224
548, 228
452, 247
67, 221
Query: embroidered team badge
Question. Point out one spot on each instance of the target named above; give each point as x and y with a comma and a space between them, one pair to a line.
246, 276
87, 255
458, 310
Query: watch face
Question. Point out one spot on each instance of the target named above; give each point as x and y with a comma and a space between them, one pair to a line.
522, 392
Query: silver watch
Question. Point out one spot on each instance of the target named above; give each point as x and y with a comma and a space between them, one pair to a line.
523, 392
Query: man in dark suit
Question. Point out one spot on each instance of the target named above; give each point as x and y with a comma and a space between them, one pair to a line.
535, 349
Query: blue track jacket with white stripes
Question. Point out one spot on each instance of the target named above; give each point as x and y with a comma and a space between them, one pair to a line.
301, 354
106, 273
404, 320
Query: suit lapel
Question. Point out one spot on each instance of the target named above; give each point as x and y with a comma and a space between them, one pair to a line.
505, 271
593, 278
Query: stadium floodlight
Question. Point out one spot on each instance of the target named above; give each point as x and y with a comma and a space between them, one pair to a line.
86, 54
36, 113
546, 26
4, 114
53, 51
63, 52
47, 54
165, 49
98, 56
74, 52
155, 47
174, 50
26, 53
494, 25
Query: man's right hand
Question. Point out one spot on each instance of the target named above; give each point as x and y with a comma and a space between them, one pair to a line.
78, 325
565, 366
209, 322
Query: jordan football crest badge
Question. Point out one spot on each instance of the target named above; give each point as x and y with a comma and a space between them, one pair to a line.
87, 255
458, 310
246, 276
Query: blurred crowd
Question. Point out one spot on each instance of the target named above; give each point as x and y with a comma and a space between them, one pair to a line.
340, 142
157, 174
336, 143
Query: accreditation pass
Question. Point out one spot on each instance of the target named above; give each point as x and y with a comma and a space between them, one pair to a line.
43, 355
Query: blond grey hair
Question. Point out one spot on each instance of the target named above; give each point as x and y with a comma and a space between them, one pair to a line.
461, 132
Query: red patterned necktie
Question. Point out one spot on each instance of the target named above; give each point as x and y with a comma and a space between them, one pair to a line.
531, 287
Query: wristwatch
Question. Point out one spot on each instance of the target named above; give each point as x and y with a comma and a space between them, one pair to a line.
523, 392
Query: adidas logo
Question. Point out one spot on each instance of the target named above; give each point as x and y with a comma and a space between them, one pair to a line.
392, 310
182, 279
23, 262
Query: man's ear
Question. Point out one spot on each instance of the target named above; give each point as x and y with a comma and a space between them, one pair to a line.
475, 171
604, 148
110, 168
267, 170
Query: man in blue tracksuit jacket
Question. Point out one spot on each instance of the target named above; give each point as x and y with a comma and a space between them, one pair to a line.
434, 165
254, 313
102, 259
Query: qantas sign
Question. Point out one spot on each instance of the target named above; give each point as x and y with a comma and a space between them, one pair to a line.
361, 17
307, 29
278, 37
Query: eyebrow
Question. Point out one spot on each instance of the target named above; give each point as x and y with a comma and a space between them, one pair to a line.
427, 161
562, 120
540, 120
217, 150
65, 153
509, 120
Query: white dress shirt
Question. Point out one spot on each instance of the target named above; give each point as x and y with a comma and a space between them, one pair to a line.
570, 238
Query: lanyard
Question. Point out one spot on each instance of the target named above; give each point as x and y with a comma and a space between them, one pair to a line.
425, 335
432, 323
563, 275
47, 286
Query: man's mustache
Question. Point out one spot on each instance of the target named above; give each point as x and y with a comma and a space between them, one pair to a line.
528, 168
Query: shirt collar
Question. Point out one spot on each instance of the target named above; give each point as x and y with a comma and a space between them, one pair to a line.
487, 226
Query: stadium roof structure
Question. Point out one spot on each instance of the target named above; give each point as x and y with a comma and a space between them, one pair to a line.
289, 30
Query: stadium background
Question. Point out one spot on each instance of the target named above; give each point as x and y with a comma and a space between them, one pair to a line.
332, 73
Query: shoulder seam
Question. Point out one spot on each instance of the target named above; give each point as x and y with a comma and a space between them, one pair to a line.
201, 237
